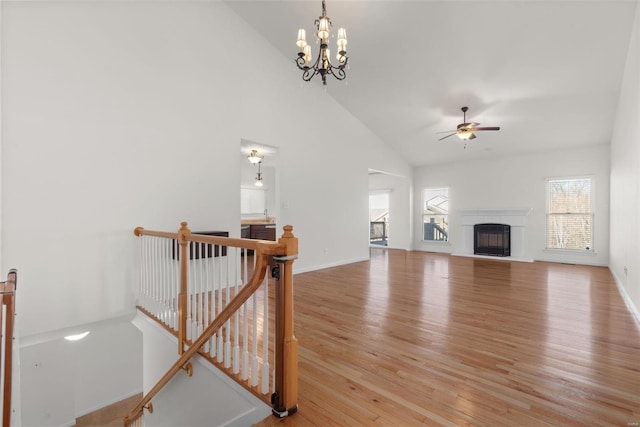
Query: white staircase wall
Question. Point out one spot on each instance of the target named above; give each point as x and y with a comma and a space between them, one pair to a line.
208, 398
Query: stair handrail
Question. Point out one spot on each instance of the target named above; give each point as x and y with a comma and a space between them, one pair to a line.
285, 251
7, 297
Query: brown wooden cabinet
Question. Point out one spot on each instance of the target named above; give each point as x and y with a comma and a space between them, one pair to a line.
258, 232
263, 232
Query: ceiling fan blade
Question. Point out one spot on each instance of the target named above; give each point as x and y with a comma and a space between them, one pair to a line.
446, 131
473, 135
444, 137
467, 125
487, 128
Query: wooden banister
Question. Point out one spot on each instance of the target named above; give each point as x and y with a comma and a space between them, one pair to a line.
284, 252
272, 248
7, 291
263, 250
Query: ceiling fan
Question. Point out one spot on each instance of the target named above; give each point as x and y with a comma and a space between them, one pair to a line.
466, 131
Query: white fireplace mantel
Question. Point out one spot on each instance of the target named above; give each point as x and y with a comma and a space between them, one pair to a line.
516, 218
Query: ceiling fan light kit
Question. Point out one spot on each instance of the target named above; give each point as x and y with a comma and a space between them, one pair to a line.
466, 130
322, 65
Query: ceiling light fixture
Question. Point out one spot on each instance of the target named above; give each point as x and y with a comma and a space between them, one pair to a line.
254, 157
259, 176
464, 134
323, 64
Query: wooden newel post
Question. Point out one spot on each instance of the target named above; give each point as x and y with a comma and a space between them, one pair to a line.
9, 299
182, 296
285, 398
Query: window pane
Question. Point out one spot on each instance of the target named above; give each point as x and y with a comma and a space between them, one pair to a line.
436, 214
570, 196
569, 231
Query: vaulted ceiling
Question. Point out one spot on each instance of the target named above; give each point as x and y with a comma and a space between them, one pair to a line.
547, 72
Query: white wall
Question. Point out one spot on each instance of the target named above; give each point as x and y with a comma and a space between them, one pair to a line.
62, 380
517, 182
625, 178
399, 207
125, 114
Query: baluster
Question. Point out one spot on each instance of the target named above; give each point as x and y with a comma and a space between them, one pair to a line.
168, 261
199, 292
193, 275
236, 316
227, 324
175, 284
265, 336
142, 286
149, 291
189, 293
205, 295
245, 324
220, 344
139, 270
165, 283
154, 277
254, 339
147, 268
213, 348
158, 281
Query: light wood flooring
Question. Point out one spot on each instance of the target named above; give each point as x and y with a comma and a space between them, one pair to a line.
110, 416
414, 338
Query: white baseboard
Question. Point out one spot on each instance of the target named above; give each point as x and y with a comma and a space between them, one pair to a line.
625, 296
333, 264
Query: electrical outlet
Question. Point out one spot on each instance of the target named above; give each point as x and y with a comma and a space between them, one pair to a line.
626, 270
326, 251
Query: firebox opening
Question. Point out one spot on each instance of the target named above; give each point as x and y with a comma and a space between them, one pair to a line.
492, 239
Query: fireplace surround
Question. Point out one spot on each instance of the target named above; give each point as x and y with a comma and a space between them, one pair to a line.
515, 218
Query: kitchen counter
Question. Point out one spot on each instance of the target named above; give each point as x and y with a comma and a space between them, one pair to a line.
260, 221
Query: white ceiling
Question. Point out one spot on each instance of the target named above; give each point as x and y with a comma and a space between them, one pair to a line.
547, 72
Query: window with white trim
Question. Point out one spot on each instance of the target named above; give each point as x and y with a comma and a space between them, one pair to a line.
570, 214
435, 215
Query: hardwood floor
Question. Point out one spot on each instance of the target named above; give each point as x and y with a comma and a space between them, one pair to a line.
414, 338
109, 416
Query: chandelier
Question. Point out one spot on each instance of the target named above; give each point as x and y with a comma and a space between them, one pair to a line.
255, 157
322, 65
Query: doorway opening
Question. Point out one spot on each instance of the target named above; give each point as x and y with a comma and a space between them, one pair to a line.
259, 197
379, 218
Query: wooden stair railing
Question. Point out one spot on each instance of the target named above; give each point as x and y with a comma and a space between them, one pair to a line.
8, 301
191, 299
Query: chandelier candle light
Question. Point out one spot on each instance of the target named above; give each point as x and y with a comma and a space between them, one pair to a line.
322, 65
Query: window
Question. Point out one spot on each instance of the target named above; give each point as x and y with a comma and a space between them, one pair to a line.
570, 214
435, 215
